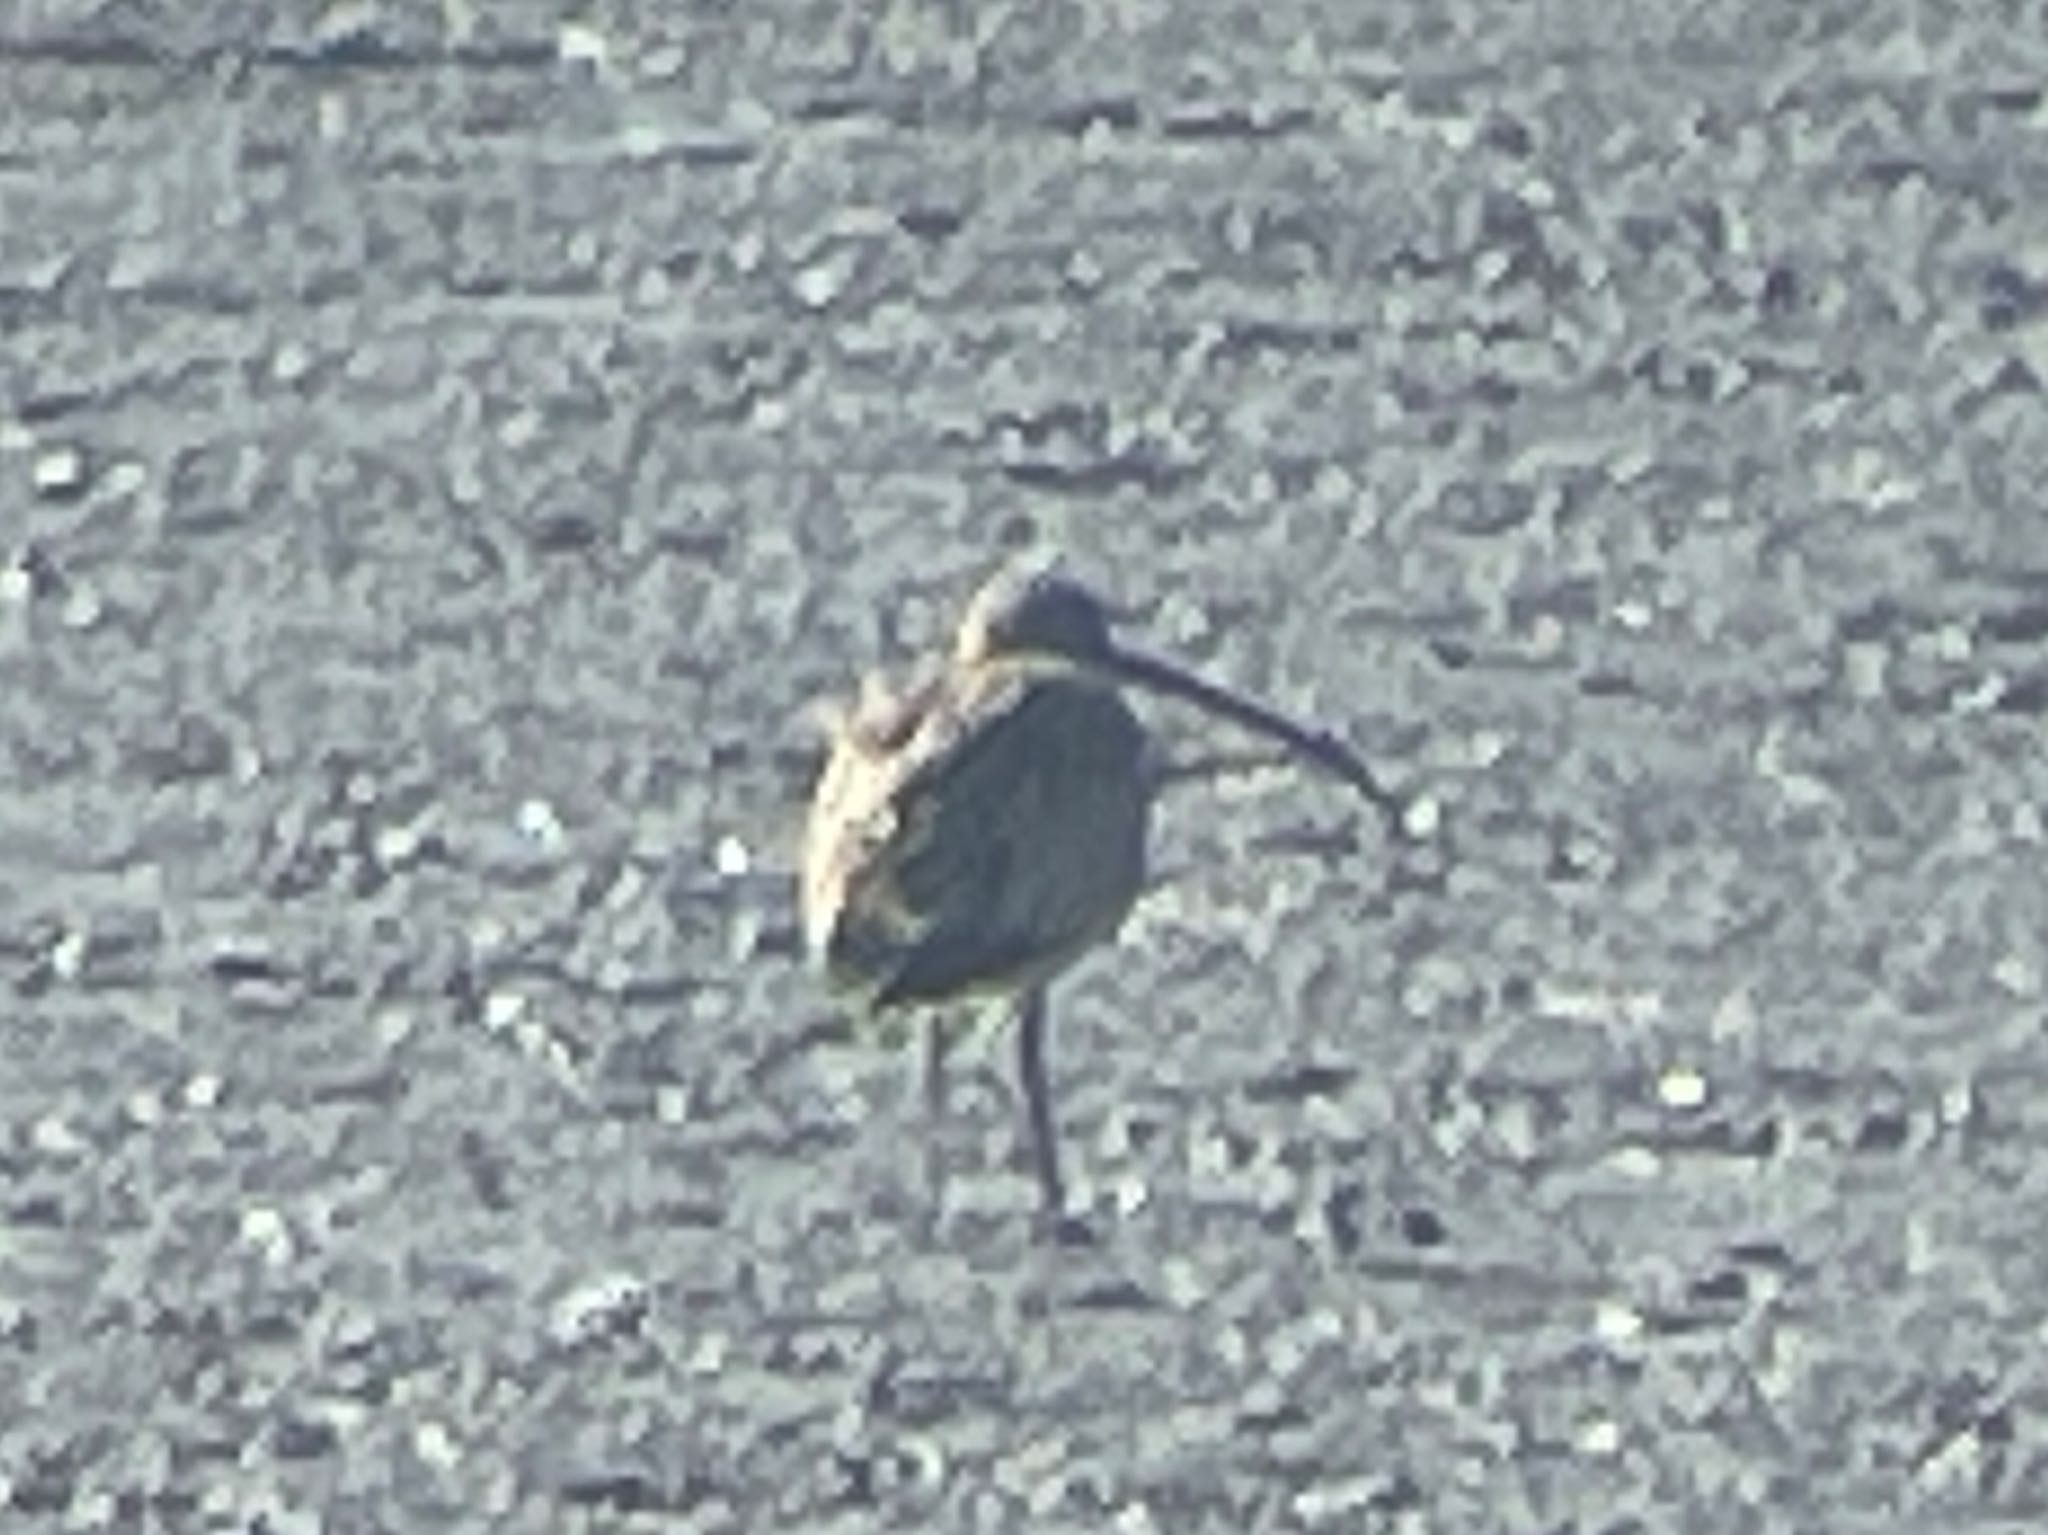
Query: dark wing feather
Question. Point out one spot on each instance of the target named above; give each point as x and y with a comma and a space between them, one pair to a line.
1010, 836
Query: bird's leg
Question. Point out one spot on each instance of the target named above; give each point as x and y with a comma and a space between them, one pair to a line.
1045, 1151
934, 1107
1037, 1103
934, 1067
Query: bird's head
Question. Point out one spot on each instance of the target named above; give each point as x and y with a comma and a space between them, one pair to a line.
1034, 611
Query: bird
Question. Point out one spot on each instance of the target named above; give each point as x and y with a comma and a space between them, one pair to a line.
973, 835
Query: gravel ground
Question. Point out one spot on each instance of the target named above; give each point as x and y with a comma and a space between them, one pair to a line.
446, 454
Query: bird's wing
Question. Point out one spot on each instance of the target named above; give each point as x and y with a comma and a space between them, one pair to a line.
976, 790
941, 879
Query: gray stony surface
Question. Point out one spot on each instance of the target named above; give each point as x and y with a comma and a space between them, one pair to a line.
447, 450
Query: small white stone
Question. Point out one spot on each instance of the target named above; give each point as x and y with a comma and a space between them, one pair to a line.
1185, 1287
264, 1229
731, 857
1514, 1126
578, 42
392, 1026
2026, 824
1617, 1322
1681, 1087
331, 116
747, 250
434, 1445
82, 609
1954, 1468
520, 428
2018, 976
652, 288
59, 470
664, 61
502, 1009
67, 954
202, 1090
1863, 667
606, 1306
395, 844
708, 1357
1334, 482
1638, 1162
1984, 695
1233, 1348
1601, 1437
1958, 1102
538, 822
53, 1136
821, 282
743, 935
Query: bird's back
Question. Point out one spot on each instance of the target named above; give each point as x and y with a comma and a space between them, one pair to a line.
977, 837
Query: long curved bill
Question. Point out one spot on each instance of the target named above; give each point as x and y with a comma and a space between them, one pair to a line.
1315, 746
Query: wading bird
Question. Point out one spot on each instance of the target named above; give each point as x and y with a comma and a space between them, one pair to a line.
979, 832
